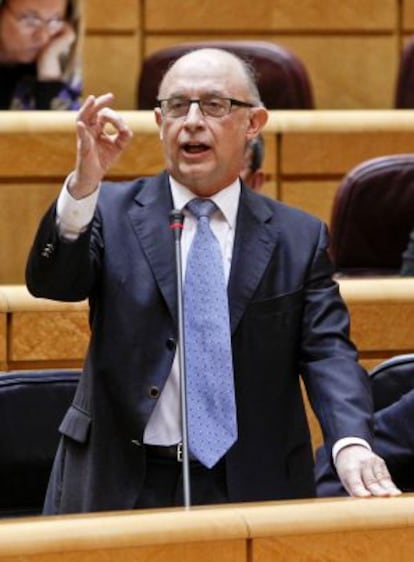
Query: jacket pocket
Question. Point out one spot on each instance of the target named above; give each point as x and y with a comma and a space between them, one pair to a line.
277, 305
76, 424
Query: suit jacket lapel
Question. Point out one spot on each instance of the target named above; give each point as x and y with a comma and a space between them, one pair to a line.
150, 220
254, 244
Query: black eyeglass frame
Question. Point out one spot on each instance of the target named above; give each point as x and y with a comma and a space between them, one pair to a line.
233, 103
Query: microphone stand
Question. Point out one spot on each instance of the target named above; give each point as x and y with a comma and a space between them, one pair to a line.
176, 225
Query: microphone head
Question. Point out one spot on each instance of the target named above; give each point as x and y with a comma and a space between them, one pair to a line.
176, 222
176, 218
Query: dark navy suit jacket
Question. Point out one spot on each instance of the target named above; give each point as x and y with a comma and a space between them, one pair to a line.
287, 318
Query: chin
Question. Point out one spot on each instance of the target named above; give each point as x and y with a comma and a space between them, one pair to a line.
27, 57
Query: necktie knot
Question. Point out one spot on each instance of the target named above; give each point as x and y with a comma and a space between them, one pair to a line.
201, 207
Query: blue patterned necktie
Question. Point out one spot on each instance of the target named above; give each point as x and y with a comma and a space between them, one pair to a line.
211, 408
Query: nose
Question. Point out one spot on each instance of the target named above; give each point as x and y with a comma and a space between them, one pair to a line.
43, 34
194, 115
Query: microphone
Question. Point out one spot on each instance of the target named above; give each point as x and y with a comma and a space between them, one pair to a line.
177, 225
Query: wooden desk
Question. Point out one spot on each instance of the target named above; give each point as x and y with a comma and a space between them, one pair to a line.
373, 530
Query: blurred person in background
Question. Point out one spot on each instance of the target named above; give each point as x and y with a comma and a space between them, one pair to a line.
252, 173
39, 54
407, 267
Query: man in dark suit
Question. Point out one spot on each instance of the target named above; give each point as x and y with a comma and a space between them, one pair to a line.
393, 441
112, 244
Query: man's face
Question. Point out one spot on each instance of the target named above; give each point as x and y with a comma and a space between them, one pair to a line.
202, 152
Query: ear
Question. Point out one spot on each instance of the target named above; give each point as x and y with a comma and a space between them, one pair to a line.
258, 119
158, 120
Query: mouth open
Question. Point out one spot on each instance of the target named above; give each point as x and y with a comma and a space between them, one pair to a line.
195, 148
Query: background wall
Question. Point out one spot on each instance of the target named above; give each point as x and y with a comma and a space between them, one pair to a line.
351, 48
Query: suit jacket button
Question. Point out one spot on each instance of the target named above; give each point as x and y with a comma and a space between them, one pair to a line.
154, 392
47, 250
171, 344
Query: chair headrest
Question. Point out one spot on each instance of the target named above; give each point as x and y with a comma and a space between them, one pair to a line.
392, 379
282, 78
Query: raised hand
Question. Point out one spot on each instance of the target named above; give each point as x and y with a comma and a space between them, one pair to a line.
102, 136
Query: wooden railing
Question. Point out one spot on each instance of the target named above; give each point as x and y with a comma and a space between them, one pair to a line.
373, 530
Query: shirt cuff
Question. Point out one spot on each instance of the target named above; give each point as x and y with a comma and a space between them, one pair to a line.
346, 442
74, 215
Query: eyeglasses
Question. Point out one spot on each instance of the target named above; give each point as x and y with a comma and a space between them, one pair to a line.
210, 106
34, 22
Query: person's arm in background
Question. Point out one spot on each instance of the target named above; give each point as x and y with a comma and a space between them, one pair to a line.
54, 89
407, 267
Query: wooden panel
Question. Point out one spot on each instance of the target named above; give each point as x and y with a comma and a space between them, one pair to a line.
407, 16
37, 154
284, 15
205, 551
382, 314
315, 197
49, 138
21, 209
106, 15
373, 546
111, 64
348, 72
42, 333
383, 327
336, 153
48, 336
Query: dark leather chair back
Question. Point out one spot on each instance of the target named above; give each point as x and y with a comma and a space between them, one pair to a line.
282, 78
372, 216
391, 379
32, 405
404, 94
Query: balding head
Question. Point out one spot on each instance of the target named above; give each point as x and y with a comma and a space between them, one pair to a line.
229, 68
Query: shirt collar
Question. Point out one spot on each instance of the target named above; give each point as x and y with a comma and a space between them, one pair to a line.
227, 200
